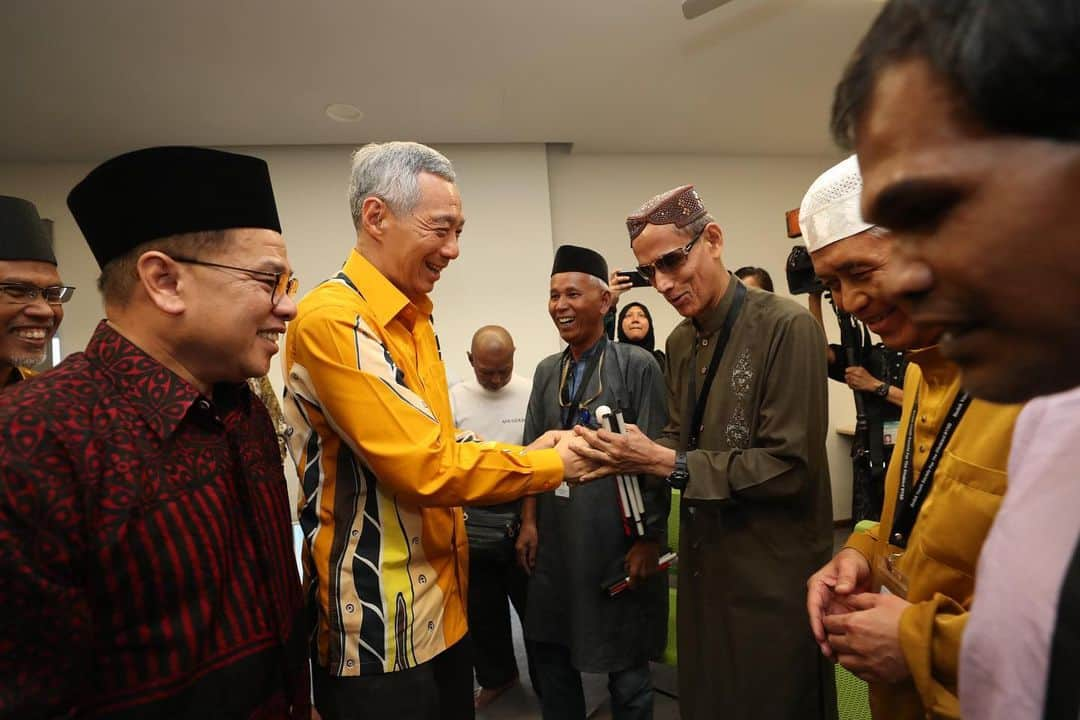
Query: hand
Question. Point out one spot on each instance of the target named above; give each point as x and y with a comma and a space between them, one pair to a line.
548, 440
828, 589
858, 379
641, 561
867, 640
576, 466
525, 546
618, 284
628, 453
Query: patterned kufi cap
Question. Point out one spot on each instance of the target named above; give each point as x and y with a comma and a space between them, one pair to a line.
831, 209
680, 207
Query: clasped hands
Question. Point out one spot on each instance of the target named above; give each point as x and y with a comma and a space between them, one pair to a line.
855, 627
591, 454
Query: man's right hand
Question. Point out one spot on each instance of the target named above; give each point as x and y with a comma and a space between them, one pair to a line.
846, 574
527, 540
575, 464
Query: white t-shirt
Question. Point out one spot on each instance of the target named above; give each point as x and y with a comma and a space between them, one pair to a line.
1004, 656
498, 415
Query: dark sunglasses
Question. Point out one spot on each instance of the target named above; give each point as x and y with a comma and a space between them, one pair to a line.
669, 261
24, 294
282, 284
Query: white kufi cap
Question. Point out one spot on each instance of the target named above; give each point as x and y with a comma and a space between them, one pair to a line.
831, 211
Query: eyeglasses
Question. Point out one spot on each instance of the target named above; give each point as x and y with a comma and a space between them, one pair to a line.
282, 284
669, 261
24, 293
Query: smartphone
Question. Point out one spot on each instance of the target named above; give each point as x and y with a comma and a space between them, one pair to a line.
636, 278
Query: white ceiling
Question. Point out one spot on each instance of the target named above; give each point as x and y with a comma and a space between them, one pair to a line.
87, 78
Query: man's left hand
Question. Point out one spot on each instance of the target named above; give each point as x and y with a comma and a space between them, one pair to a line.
858, 378
628, 453
641, 561
867, 640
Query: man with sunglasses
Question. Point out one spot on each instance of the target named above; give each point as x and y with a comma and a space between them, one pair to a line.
574, 541
746, 445
31, 294
148, 568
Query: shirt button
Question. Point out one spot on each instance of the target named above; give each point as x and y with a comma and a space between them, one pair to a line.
349, 663
705, 342
704, 369
923, 418
355, 533
350, 607
204, 405
922, 448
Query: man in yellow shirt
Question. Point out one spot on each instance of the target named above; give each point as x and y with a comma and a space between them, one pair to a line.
31, 294
383, 471
892, 605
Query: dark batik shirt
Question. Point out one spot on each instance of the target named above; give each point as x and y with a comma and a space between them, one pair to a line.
146, 564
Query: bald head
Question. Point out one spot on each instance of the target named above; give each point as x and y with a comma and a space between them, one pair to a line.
492, 357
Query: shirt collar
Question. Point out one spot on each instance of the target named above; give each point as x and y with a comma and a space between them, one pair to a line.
158, 395
936, 370
713, 319
17, 374
385, 300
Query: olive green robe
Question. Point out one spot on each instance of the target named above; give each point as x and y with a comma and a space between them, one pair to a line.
756, 515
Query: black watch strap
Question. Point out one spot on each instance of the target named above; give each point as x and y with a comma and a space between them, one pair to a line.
680, 475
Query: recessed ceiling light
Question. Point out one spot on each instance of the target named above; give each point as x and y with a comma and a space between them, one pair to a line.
343, 112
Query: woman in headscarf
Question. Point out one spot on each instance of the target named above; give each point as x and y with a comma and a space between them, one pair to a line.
635, 327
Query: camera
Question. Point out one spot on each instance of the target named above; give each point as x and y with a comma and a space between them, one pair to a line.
801, 278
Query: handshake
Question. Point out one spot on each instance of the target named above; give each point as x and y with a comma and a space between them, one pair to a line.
591, 454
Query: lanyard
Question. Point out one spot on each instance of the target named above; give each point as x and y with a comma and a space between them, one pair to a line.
910, 498
695, 400
570, 412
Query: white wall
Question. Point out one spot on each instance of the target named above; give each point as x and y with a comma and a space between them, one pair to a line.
520, 202
591, 195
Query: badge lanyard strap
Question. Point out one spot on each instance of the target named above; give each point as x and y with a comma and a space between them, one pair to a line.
910, 498
570, 417
694, 400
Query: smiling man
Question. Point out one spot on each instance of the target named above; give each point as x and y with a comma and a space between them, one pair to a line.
942, 489
965, 119
31, 294
745, 443
148, 568
383, 469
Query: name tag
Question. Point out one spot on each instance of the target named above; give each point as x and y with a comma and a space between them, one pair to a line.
563, 490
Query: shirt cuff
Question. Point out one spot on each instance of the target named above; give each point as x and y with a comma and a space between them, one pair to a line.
547, 471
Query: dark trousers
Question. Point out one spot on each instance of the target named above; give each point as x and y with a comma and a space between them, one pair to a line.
563, 697
440, 689
494, 576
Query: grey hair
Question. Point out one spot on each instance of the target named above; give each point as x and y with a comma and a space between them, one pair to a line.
695, 228
388, 171
602, 284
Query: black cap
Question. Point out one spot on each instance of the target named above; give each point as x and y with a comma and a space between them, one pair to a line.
22, 234
162, 191
570, 258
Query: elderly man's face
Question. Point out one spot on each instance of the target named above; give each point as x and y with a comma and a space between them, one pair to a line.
27, 327
493, 366
855, 269
577, 304
423, 242
987, 233
694, 286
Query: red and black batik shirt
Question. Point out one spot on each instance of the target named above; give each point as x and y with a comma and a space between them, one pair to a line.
146, 564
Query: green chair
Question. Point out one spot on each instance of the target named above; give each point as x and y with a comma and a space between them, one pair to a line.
853, 694
671, 652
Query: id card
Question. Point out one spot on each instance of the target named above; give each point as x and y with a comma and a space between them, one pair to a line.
887, 578
890, 431
563, 490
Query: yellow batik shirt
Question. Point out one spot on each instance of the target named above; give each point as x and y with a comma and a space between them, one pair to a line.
384, 473
943, 549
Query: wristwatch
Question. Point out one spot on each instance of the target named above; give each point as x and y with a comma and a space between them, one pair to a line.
882, 390
679, 476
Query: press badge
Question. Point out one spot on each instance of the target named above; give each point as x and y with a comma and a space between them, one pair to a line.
563, 490
890, 431
887, 577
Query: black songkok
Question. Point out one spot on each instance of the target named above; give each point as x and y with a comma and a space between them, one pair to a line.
570, 258
157, 192
680, 206
22, 234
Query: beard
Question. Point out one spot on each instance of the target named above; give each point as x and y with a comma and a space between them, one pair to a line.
28, 361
